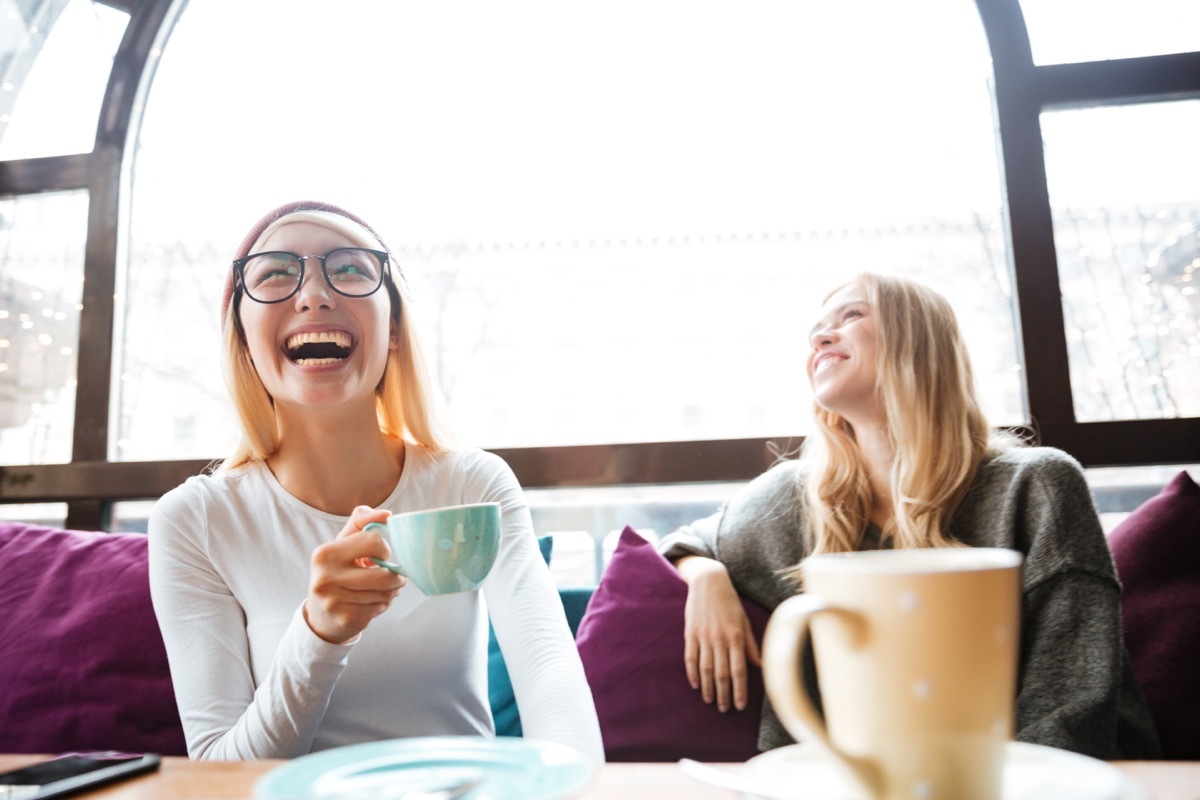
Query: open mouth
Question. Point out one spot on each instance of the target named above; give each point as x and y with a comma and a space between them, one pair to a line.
827, 361
316, 349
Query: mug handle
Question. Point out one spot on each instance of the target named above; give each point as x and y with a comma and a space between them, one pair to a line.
783, 644
370, 526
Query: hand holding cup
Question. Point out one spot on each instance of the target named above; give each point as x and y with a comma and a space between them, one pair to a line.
342, 596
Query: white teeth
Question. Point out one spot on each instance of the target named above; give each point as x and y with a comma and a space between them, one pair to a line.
825, 363
316, 362
339, 338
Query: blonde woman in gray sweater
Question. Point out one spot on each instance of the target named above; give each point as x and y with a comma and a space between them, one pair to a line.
902, 457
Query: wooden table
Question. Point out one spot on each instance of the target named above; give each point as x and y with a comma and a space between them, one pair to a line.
181, 779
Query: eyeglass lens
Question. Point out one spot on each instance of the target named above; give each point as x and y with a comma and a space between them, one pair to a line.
272, 277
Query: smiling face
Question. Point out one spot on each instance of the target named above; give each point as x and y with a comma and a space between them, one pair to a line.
843, 363
317, 348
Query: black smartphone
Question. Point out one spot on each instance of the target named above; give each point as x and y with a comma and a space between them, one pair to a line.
73, 772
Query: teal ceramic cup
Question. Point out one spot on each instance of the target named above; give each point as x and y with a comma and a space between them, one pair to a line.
443, 550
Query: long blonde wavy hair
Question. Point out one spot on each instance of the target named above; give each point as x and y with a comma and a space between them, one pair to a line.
408, 403
934, 423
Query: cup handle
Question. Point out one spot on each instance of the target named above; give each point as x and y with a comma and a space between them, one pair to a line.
370, 526
783, 643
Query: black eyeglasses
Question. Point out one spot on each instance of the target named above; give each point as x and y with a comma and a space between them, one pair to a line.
276, 275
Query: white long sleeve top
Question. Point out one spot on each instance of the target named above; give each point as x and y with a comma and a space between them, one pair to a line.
229, 570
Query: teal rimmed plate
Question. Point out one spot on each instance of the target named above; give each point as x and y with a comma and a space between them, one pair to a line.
511, 769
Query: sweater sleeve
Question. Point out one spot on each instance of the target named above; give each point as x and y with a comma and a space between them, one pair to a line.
757, 534
204, 630
1071, 666
1076, 690
697, 539
551, 689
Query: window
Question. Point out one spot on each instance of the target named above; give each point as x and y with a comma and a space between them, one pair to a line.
55, 59
584, 211
1063, 31
618, 220
1122, 183
1120, 490
41, 281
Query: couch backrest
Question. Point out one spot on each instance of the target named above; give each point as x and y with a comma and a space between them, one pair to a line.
82, 663
83, 667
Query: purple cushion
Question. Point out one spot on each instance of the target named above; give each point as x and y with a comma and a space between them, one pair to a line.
82, 663
631, 644
1157, 553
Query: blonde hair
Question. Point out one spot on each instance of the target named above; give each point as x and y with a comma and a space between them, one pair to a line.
934, 424
408, 403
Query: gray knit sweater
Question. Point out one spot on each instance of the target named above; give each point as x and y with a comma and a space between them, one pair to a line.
1076, 689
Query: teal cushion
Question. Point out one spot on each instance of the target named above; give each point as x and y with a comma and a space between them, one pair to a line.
575, 602
500, 691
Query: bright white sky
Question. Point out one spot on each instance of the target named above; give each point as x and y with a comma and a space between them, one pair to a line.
534, 120
474, 122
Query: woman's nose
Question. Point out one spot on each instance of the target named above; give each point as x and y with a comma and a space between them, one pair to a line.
314, 291
822, 335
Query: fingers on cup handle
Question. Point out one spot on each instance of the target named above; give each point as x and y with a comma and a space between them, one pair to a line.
364, 516
358, 521
381, 528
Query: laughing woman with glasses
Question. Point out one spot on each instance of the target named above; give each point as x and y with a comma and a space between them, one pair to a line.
283, 636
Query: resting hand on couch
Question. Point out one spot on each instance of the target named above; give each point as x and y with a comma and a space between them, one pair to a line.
718, 640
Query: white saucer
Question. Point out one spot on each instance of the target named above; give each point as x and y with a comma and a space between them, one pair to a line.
1031, 772
510, 768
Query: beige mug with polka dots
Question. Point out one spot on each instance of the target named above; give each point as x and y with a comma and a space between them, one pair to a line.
916, 654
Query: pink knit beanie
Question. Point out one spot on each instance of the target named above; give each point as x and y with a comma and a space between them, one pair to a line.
260, 226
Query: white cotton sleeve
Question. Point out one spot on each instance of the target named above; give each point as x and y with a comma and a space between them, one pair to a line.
553, 697
204, 629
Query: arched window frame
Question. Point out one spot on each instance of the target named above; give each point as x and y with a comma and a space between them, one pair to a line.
90, 483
